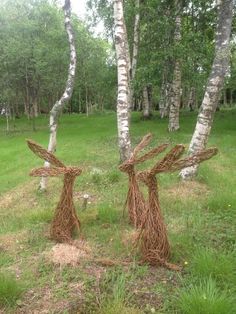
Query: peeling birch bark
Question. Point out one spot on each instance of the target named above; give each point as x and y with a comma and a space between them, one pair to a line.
123, 81
214, 85
58, 106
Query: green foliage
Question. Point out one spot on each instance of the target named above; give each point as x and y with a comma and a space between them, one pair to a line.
204, 298
35, 57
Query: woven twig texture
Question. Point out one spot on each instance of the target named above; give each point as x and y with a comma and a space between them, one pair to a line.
152, 239
135, 200
65, 219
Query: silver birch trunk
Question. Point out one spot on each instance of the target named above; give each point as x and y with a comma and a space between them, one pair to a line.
146, 104
58, 106
191, 100
136, 41
135, 51
176, 84
164, 100
214, 85
123, 81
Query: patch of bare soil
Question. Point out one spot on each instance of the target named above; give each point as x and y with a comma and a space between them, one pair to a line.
65, 254
11, 242
43, 300
189, 189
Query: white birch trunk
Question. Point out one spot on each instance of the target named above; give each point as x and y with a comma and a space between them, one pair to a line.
164, 100
58, 107
123, 95
146, 104
176, 85
214, 85
191, 100
136, 41
134, 53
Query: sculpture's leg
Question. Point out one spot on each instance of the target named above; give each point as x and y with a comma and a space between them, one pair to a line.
155, 246
135, 201
65, 219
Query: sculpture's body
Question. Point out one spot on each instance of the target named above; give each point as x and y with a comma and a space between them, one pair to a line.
135, 200
65, 220
153, 240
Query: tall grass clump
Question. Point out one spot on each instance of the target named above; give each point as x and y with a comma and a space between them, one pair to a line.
107, 214
116, 300
10, 290
204, 298
217, 265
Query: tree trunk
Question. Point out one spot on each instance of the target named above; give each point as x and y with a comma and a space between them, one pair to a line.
58, 106
176, 84
214, 85
146, 104
191, 99
231, 98
135, 52
175, 99
123, 82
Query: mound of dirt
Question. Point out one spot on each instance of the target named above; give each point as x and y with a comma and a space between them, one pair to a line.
66, 254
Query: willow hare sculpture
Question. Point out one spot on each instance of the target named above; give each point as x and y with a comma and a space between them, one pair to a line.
135, 200
65, 219
153, 240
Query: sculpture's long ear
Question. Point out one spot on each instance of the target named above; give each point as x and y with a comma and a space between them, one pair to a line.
44, 154
194, 159
47, 172
132, 160
164, 164
152, 153
144, 142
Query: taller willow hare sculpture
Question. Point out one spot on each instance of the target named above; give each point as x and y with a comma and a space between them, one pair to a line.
152, 238
65, 218
135, 200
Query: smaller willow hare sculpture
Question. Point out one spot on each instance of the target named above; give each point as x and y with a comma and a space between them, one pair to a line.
135, 200
65, 218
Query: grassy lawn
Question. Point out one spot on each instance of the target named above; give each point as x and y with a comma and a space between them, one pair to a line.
200, 217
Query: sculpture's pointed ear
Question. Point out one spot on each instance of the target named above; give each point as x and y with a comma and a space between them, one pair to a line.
194, 159
144, 142
44, 154
164, 164
152, 153
47, 172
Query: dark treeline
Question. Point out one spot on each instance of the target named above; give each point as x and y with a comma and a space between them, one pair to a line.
34, 56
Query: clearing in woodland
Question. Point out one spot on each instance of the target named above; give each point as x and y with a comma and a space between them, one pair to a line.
39, 276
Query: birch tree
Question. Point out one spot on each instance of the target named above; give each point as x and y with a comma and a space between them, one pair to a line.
59, 105
176, 84
214, 85
135, 50
123, 81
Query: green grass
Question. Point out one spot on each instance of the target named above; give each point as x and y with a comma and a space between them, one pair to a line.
10, 290
200, 219
205, 298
